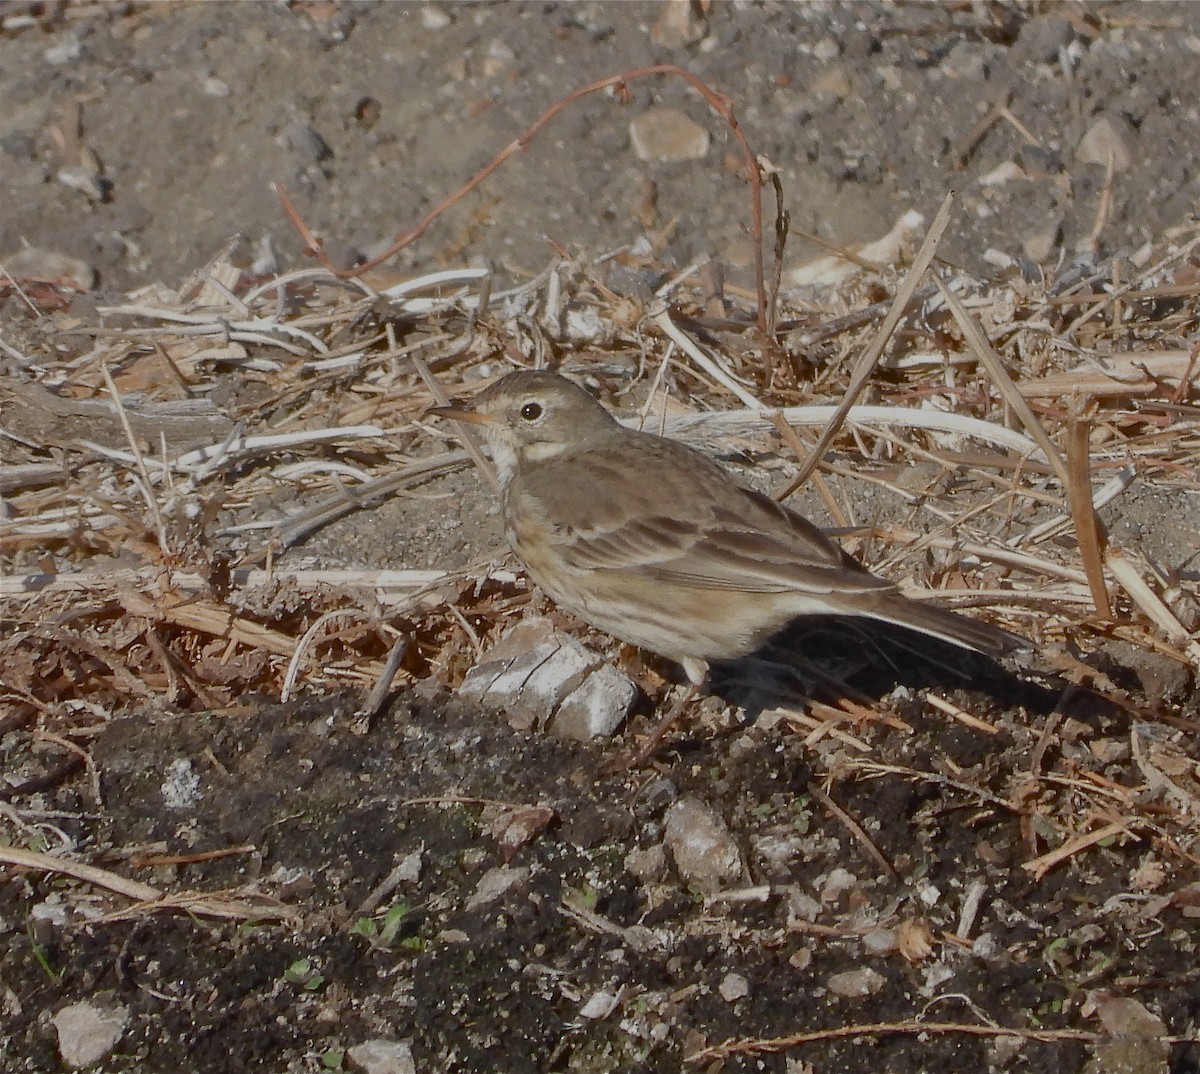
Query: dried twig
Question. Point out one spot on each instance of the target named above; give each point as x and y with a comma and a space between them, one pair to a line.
720, 104
865, 365
758, 1045
150, 899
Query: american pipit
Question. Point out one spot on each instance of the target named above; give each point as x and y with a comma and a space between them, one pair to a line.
656, 544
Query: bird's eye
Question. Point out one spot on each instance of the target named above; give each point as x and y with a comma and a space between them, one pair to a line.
531, 411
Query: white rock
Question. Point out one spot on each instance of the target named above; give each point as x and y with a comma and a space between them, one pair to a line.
801, 905
648, 864
86, 179
585, 324
998, 258
836, 884
498, 58
597, 708
733, 987
541, 677
1002, 173
599, 1006
181, 788
301, 139
409, 869
496, 883
935, 976
51, 910
779, 849
833, 82
679, 24
1040, 246
383, 1057
434, 18
880, 941
68, 50
985, 947
827, 49
87, 1032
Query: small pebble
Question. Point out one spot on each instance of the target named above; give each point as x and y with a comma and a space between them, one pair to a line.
496, 883
734, 987
434, 18
700, 843
301, 138
855, 984
88, 1031
382, 1057
599, 1006
1108, 135
880, 941
667, 135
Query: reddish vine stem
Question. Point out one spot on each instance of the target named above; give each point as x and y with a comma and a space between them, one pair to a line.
719, 102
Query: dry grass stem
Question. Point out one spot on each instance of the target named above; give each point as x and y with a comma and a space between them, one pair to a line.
865, 365
1088, 530
780, 1044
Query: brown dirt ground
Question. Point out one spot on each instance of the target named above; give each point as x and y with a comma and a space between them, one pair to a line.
323, 808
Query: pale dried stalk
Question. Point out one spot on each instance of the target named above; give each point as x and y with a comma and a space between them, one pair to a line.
1088, 531
990, 361
1129, 578
870, 357
1039, 867
697, 355
149, 898
293, 668
387, 585
741, 422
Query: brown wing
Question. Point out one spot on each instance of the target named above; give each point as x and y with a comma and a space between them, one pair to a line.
661, 510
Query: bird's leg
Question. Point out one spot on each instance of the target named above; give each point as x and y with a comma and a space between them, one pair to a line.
643, 756
696, 671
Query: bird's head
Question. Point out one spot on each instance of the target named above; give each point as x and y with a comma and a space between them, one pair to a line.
531, 416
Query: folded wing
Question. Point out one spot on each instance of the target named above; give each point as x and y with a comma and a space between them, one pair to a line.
714, 535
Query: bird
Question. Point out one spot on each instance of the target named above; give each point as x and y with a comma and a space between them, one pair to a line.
658, 545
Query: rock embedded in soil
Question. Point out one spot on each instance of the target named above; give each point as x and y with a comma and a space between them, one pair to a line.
382, 1057
704, 851
1109, 136
496, 883
88, 1031
665, 135
855, 984
541, 677
733, 987
599, 1006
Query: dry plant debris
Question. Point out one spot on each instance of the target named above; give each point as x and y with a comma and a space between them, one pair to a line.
166, 457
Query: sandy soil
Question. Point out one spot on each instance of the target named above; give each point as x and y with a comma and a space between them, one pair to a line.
193, 110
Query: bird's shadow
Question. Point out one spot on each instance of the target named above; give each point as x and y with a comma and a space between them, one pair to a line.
827, 658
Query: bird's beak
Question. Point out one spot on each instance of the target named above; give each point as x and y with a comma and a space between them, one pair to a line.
461, 412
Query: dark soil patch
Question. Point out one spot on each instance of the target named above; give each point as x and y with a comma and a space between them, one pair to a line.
324, 814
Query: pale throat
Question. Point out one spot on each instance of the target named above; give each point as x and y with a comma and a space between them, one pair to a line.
541, 450
506, 457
